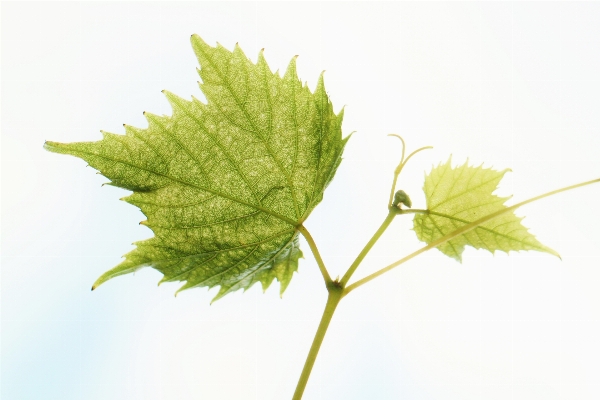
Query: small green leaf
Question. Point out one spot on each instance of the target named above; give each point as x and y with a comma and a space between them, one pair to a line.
458, 196
224, 184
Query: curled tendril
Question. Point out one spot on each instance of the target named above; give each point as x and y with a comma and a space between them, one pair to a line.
403, 145
401, 165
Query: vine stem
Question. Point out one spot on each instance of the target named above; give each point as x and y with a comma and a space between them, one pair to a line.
388, 220
333, 299
336, 292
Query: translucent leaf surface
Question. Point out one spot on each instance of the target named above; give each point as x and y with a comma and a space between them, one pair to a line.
225, 183
461, 195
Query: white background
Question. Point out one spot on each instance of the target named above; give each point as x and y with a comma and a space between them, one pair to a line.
515, 85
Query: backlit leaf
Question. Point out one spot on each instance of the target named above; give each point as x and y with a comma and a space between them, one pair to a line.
224, 184
461, 195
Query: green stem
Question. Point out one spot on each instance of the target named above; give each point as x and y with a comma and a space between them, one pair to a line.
334, 297
388, 220
336, 292
315, 251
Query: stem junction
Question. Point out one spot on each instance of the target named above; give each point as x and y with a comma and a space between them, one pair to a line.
338, 289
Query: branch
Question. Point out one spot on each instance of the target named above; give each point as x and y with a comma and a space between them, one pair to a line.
388, 220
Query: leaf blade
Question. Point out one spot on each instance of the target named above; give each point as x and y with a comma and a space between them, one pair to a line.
224, 184
458, 196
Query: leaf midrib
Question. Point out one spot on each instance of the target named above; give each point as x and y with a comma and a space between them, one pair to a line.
216, 192
266, 144
479, 227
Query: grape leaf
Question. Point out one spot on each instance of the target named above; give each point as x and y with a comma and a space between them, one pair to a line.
225, 183
458, 196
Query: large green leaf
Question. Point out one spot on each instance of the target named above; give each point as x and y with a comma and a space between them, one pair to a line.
461, 195
224, 184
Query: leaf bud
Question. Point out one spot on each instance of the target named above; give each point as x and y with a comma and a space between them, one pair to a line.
401, 197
